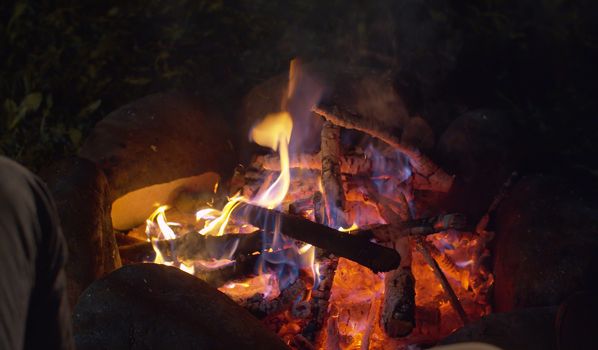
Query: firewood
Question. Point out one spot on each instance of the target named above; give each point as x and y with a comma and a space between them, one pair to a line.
331, 175
398, 309
320, 298
250, 243
413, 228
353, 165
261, 307
423, 248
427, 175
397, 317
352, 247
319, 209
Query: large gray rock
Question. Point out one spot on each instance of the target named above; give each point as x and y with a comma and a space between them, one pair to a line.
546, 241
81, 193
160, 138
149, 306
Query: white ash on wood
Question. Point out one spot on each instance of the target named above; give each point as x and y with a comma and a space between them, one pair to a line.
427, 175
349, 164
397, 317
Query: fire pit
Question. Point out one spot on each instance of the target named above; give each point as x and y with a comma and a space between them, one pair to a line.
329, 238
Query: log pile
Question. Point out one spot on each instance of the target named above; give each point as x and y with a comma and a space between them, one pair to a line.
337, 180
347, 179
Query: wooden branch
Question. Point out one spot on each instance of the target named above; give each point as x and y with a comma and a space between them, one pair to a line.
352, 247
415, 228
352, 165
334, 197
448, 290
427, 175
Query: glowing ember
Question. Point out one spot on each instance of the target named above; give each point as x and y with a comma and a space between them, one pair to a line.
266, 284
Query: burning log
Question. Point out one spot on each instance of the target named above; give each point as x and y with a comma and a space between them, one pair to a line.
427, 175
415, 228
352, 165
398, 309
352, 247
261, 307
334, 196
334, 199
452, 297
320, 298
319, 209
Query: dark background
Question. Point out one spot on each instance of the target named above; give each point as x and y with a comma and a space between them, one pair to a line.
66, 64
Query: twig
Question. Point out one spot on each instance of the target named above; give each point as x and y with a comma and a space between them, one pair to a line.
448, 290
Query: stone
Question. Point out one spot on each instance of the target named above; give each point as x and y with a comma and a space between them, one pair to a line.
477, 149
150, 306
546, 241
81, 193
158, 139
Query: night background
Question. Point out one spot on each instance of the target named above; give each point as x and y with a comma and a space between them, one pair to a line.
502, 96
67, 64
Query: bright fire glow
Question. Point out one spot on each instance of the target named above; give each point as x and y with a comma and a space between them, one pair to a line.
357, 292
275, 132
349, 229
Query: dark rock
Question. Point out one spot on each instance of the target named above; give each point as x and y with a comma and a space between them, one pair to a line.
546, 242
577, 323
149, 306
157, 139
477, 149
527, 329
81, 193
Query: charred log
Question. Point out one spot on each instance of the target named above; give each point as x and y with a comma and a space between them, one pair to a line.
352, 247
260, 307
320, 297
319, 209
398, 310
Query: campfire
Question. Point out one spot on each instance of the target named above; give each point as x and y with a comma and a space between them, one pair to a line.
329, 248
